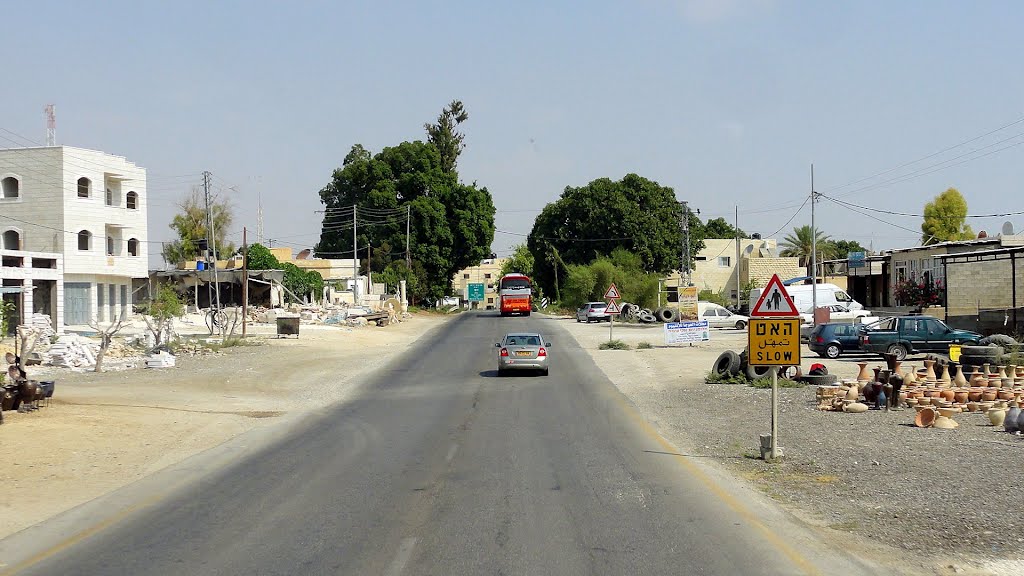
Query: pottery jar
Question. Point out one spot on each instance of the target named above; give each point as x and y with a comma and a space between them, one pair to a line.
1010, 421
995, 417
863, 373
929, 370
960, 395
974, 394
960, 380
988, 395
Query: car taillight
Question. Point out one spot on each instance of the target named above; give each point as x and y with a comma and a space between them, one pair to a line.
820, 340
504, 351
542, 352
864, 339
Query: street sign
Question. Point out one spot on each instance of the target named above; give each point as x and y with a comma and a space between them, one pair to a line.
774, 342
612, 293
612, 308
475, 292
855, 259
774, 302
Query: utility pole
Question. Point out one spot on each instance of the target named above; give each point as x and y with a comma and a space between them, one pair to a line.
408, 221
355, 258
212, 233
738, 288
814, 251
685, 268
245, 278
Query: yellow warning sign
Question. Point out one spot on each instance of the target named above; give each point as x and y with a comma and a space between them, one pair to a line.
774, 342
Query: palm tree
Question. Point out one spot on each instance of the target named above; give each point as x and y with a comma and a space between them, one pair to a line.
798, 244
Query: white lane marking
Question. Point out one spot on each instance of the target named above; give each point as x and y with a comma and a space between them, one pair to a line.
402, 557
451, 453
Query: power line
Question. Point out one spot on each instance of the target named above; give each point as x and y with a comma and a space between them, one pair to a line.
870, 216
895, 213
791, 218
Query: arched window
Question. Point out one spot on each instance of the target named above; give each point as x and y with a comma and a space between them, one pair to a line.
110, 245
10, 188
133, 247
84, 187
11, 240
84, 240
132, 200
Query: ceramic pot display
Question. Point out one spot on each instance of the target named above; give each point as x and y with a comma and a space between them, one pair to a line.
863, 374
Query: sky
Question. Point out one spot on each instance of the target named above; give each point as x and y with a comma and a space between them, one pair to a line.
728, 102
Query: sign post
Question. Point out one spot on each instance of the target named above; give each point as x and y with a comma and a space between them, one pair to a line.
773, 339
611, 295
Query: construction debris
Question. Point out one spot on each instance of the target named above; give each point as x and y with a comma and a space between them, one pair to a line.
73, 351
162, 359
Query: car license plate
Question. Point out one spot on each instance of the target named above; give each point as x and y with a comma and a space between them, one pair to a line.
523, 353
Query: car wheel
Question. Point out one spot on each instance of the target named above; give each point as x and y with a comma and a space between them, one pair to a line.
899, 351
833, 351
545, 372
741, 325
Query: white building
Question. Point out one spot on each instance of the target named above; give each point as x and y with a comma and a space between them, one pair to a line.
86, 205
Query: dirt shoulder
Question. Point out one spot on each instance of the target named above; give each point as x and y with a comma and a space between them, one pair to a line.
103, 431
920, 501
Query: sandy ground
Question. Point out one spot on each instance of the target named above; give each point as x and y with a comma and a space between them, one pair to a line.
103, 431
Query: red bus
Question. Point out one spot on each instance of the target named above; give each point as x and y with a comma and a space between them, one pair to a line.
515, 295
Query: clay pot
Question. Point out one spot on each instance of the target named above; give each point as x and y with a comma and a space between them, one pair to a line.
944, 379
977, 379
909, 376
994, 381
945, 423
984, 370
1001, 372
960, 395
915, 393
1020, 420
995, 417
974, 394
948, 411
855, 408
876, 369
989, 394
925, 417
852, 394
1004, 394
929, 370
948, 394
972, 406
937, 401
1010, 421
1011, 371
960, 380
863, 374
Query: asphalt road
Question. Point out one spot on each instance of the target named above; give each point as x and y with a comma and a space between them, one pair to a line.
440, 467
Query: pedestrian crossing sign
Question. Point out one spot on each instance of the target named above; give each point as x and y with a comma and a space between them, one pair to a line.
774, 301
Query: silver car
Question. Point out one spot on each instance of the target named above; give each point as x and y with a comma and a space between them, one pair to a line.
593, 312
523, 351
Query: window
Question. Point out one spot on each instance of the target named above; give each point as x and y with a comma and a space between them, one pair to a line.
84, 240
11, 240
110, 245
724, 261
84, 187
710, 312
724, 313
465, 275
10, 188
487, 275
110, 197
132, 200
842, 296
133, 247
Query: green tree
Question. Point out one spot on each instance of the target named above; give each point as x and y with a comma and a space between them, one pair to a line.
945, 219
840, 248
261, 258
798, 244
190, 226
444, 136
585, 223
160, 312
521, 261
452, 223
719, 228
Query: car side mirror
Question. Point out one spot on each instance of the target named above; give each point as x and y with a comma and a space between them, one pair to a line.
498, 345
548, 344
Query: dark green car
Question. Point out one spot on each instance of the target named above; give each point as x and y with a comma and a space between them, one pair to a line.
903, 335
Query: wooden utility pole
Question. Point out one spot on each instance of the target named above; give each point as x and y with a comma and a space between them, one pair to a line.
245, 279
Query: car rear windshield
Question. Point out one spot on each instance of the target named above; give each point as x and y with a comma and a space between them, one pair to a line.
515, 284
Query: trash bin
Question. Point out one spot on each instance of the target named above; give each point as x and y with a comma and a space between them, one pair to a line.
288, 326
954, 352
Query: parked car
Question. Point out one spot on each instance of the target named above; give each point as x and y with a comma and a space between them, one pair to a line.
593, 312
903, 335
831, 339
720, 316
523, 351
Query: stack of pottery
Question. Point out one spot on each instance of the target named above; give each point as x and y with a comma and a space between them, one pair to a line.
945, 420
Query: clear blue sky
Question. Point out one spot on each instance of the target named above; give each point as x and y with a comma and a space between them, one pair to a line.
727, 101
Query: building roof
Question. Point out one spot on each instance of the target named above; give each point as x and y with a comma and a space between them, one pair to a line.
972, 242
997, 251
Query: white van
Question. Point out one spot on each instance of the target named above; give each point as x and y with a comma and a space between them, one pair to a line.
828, 294
720, 316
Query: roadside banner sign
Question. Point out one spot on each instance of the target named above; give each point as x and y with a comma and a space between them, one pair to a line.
687, 332
612, 293
688, 303
774, 342
774, 302
612, 308
475, 292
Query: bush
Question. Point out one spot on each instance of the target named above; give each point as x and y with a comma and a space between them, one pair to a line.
645, 345
613, 345
714, 297
763, 383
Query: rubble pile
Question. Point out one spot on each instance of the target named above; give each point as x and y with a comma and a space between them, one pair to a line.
43, 324
72, 351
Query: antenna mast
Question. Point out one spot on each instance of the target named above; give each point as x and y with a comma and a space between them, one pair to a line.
51, 125
259, 218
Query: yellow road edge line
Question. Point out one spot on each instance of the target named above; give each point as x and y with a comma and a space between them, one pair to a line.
725, 497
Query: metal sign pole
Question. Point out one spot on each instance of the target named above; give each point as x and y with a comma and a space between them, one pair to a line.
775, 413
611, 320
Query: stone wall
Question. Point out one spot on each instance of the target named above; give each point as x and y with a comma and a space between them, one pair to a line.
980, 295
760, 270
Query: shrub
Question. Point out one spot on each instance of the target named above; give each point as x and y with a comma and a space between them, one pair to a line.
645, 345
613, 345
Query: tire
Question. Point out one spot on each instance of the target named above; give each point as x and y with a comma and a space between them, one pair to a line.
758, 372
744, 357
820, 380
648, 318
975, 360
545, 372
527, 313
741, 325
991, 352
675, 315
578, 320
998, 339
832, 351
663, 314
727, 364
897, 350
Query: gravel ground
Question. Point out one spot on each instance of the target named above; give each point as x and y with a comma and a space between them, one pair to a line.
946, 501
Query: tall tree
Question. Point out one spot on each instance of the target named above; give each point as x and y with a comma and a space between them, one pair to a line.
444, 136
521, 261
799, 243
945, 219
190, 225
840, 248
585, 223
719, 228
452, 224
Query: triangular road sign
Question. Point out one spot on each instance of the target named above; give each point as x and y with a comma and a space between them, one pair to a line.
612, 308
612, 293
774, 301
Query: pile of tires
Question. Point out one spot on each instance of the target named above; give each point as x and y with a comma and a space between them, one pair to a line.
730, 363
667, 314
977, 356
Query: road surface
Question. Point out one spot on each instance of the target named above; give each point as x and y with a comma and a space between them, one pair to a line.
440, 467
